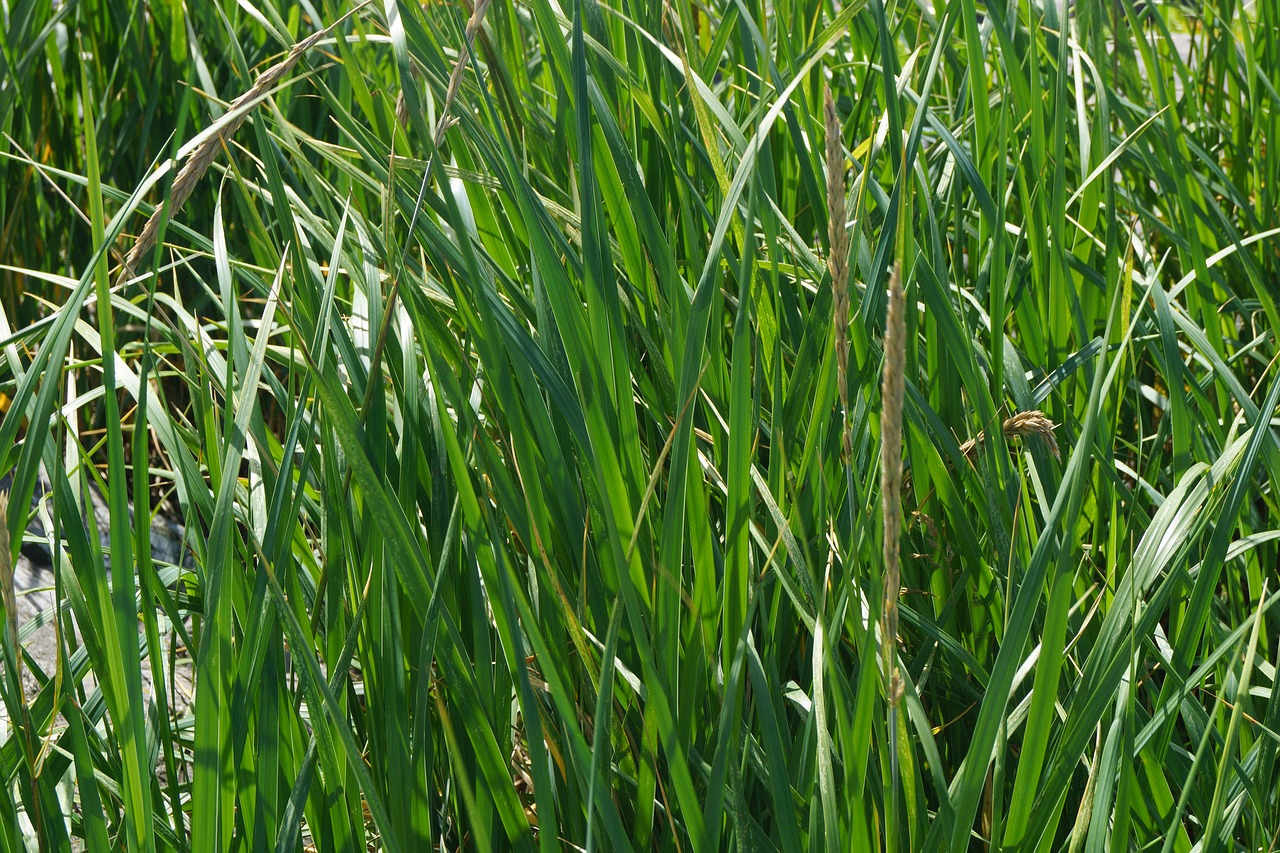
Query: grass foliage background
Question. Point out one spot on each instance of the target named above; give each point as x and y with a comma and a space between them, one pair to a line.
505, 425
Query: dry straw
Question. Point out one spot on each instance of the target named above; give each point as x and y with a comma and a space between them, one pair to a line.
895, 358
838, 258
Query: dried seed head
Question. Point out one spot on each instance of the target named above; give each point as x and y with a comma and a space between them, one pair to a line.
199, 161
1032, 423
455, 78
1020, 425
895, 357
837, 230
402, 111
838, 256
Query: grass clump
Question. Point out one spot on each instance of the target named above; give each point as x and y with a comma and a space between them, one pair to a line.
629, 426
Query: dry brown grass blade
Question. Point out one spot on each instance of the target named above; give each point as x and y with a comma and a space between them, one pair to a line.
199, 161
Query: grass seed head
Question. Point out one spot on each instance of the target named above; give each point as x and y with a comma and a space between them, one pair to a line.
1021, 425
199, 161
895, 357
1032, 423
838, 254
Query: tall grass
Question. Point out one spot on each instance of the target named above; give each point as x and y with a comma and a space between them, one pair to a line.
550, 476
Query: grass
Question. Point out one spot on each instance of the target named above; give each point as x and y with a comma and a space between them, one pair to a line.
516, 371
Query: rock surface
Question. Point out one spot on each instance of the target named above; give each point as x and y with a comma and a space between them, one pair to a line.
34, 584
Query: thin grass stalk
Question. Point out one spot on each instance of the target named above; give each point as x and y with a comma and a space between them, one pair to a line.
446, 121
443, 123
895, 356
7, 594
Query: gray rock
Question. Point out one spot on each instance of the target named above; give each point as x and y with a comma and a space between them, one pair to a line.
35, 597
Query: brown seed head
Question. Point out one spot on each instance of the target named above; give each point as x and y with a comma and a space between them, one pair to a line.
892, 386
199, 161
838, 252
1020, 425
